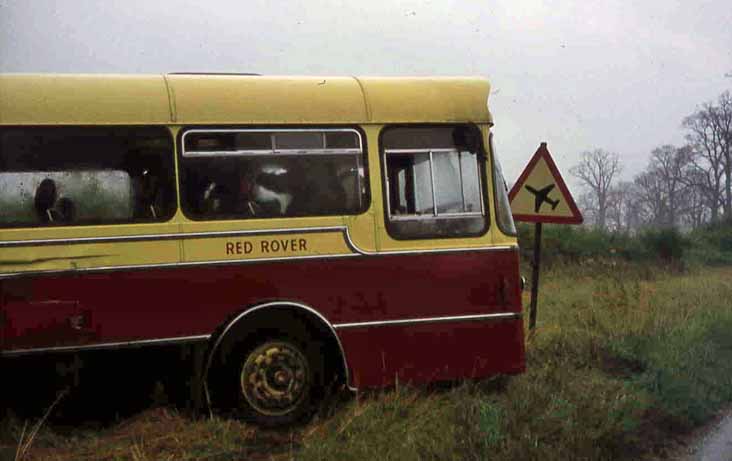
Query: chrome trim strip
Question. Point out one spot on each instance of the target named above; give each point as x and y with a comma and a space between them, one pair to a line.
354, 247
433, 186
267, 153
415, 217
462, 176
456, 318
423, 150
121, 344
275, 304
176, 264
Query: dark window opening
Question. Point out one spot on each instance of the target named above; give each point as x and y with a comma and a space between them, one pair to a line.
85, 175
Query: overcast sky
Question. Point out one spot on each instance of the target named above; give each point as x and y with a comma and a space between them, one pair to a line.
617, 75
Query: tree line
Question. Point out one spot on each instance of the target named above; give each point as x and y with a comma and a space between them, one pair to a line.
683, 187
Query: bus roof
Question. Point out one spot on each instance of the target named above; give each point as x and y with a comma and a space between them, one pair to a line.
98, 99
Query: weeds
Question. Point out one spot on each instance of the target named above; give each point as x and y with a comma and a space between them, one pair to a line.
25, 443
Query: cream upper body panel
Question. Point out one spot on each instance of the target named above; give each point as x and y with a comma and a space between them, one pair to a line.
71, 99
427, 99
266, 100
87, 99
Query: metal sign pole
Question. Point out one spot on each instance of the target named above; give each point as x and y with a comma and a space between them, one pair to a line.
535, 276
541, 196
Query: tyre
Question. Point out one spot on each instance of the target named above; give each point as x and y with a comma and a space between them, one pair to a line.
274, 381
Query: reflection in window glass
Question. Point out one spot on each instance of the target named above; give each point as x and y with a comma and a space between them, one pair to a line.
503, 206
252, 141
471, 181
412, 184
342, 140
264, 183
456, 182
433, 181
299, 140
89, 175
448, 184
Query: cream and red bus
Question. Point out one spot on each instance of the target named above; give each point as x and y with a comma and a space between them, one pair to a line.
299, 230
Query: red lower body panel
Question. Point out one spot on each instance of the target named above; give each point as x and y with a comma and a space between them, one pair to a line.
155, 303
433, 352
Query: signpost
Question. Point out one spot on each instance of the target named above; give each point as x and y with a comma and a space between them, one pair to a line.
541, 196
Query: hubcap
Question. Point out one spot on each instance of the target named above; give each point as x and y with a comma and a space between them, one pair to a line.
275, 378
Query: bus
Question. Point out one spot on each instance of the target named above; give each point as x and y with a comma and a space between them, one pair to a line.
297, 231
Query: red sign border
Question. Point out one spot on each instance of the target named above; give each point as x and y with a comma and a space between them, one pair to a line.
576, 217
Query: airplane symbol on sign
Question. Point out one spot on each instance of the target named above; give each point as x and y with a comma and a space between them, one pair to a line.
541, 196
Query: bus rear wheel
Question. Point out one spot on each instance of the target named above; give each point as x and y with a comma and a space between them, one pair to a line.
276, 380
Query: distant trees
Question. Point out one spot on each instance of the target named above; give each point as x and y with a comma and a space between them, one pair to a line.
671, 166
596, 170
652, 197
624, 209
685, 186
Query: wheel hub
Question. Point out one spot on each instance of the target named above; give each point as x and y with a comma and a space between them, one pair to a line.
275, 378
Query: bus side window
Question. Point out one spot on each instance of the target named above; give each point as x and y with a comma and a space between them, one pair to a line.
272, 173
85, 175
434, 183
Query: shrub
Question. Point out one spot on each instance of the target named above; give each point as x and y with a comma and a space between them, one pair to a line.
569, 245
563, 244
668, 245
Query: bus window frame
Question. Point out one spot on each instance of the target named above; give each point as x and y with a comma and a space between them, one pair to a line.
181, 157
481, 157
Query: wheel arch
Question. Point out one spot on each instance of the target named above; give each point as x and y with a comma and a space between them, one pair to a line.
315, 318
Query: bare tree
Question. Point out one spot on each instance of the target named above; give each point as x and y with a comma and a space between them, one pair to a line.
586, 203
596, 170
615, 214
672, 165
624, 209
695, 202
720, 121
708, 158
651, 198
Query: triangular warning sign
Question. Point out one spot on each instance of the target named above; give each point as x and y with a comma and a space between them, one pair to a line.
540, 194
